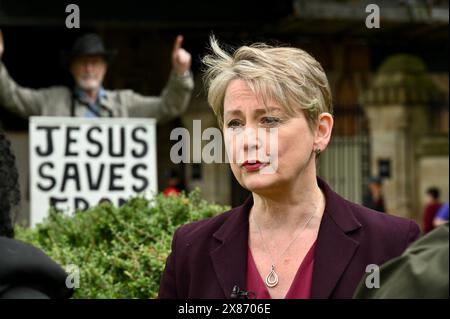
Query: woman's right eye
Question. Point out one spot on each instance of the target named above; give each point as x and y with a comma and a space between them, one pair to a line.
234, 124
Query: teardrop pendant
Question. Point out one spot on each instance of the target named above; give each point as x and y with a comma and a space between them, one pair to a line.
272, 278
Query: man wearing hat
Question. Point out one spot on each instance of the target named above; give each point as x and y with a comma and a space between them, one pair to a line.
88, 62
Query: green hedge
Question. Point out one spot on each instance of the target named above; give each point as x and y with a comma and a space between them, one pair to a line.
120, 252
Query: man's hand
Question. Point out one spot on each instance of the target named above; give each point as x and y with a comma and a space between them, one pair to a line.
2, 47
181, 59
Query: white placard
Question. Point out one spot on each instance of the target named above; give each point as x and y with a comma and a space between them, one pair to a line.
77, 162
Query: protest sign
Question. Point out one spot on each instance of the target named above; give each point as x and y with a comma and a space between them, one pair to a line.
77, 162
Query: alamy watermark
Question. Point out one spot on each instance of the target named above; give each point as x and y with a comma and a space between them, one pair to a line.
373, 19
373, 277
241, 145
73, 19
73, 276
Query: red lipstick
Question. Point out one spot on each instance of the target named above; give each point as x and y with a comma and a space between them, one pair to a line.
253, 166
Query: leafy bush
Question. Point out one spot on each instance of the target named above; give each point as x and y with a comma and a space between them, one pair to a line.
120, 251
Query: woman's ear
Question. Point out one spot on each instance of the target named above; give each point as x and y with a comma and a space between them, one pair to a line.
323, 131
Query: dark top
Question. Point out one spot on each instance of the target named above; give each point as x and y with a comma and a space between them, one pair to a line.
300, 287
26, 272
377, 205
209, 257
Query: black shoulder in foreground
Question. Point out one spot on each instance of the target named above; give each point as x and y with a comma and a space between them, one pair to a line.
26, 272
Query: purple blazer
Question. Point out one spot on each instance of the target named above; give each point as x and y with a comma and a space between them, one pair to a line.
209, 257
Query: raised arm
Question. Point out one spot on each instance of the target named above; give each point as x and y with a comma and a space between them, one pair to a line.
175, 97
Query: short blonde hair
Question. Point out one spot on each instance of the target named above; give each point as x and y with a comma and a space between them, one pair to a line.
289, 76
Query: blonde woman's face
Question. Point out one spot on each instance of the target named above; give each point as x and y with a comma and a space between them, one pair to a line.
267, 149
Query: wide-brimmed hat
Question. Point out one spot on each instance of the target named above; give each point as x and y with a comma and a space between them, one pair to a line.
88, 44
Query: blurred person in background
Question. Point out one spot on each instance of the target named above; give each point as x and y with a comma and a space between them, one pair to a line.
431, 208
374, 197
441, 216
174, 183
25, 271
88, 63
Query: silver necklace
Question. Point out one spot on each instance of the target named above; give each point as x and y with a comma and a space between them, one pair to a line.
271, 280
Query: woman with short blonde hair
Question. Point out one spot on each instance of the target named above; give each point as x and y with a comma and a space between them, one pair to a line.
289, 76
293, 237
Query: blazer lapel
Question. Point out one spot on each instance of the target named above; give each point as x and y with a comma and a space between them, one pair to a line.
229, 259
334, 248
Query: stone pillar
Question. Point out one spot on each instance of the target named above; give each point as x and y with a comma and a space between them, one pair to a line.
397, 106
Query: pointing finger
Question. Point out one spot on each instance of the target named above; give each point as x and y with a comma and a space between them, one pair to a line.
178, 43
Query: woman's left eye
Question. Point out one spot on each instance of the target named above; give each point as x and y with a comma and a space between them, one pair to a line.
269, 120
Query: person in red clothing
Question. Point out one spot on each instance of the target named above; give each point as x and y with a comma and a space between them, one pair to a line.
174, 184
431, 208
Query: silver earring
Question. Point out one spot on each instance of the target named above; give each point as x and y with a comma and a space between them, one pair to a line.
317, 151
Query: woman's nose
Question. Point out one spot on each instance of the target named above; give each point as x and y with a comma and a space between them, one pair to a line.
251, 138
